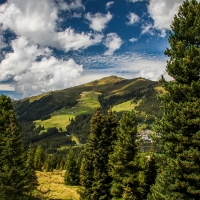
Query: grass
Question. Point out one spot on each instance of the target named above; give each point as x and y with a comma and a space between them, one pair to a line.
141, 127
75, 139
34, 98
128, 106
73, 147
105, 80
125, 106
51, 186
160, 90
61, 118
127, 87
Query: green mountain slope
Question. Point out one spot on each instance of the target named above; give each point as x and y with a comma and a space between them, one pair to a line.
73, 107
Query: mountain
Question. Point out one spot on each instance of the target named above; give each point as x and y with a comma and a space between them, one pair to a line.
50, 113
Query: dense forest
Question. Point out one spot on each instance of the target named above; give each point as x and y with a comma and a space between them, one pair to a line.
101, 151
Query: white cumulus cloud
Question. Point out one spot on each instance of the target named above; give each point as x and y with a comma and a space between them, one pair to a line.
133, 40
147, 29
37, 20
33, 69
98, 21
133, 18
135, 0
109, 4
113, 42
2, 42
162, 12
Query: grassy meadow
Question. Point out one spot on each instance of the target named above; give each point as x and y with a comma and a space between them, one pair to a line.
51, 186
125, 106
61, 118
128, 106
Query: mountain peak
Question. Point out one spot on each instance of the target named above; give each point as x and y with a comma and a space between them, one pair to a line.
105, 80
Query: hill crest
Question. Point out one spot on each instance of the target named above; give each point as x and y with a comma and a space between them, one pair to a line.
104, 80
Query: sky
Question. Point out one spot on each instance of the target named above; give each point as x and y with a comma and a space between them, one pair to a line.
48, 45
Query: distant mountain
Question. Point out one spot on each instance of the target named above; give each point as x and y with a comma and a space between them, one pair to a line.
61, 108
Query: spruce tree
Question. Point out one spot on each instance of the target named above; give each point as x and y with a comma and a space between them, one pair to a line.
86, 174
150, 170
31, 175
95, 166
179, 172
39, 158
46, 165
17, 179
30, 156
125, 168
72, 172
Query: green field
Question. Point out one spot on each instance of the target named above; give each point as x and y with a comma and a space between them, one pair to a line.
128, 106
61, 118
125, 106
51, 186
34, 98
86, 104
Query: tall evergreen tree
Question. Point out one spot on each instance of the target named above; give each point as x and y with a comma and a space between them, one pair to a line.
94, 169
47, 166
125, 168
179, 176
72, 172
150, 170
17, 179
31, 175
30, 156
39, 158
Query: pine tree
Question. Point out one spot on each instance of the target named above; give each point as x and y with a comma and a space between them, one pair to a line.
17, 179
30, 156
86, 174
72, 172
125, 168
179, 172
39, 158
150, 170
95, 167
47, 166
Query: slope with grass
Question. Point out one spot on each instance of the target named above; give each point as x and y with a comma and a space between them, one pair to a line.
51, 186
61, 118
125, 106
77, 104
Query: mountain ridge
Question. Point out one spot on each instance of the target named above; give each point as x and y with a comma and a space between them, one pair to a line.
56, 109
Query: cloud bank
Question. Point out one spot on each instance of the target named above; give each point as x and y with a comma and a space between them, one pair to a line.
33, 70
30, 64
127, 65
162, 12
37, 20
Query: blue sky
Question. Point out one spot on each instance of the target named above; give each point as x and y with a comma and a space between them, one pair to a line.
55, 44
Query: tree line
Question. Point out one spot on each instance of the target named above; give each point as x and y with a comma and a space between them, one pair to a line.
111, 165
113, 168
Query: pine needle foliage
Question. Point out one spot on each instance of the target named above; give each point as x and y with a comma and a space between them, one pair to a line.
17, 178
72, 172
179, 173
94, 169
124, 161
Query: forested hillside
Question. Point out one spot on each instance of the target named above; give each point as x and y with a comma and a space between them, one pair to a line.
47, 118
93, 135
